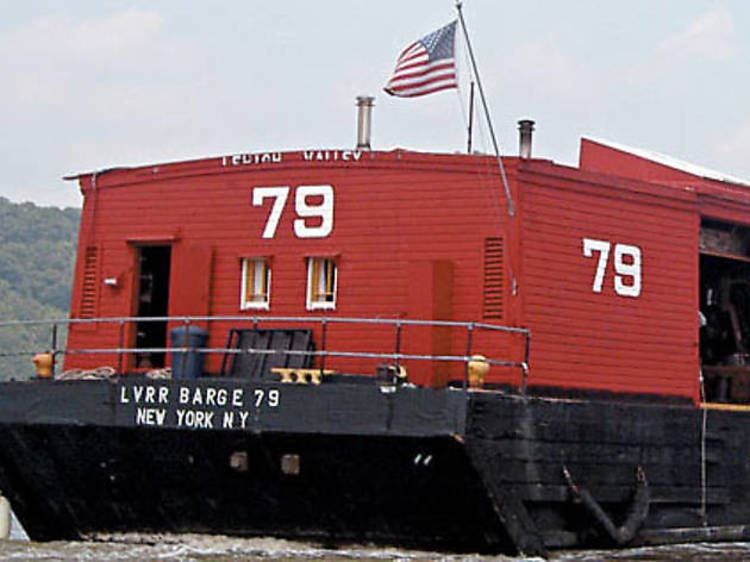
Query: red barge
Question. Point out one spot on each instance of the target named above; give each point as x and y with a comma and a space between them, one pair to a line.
369, 345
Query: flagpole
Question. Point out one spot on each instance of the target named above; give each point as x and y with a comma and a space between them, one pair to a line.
508, 197
471, 117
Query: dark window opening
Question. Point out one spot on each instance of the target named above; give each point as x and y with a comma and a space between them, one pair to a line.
321, 283
153, 301
724, 317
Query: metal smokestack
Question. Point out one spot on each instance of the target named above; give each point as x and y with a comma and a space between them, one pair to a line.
525, 128
364, 118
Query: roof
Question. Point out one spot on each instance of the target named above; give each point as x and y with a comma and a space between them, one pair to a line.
672, 162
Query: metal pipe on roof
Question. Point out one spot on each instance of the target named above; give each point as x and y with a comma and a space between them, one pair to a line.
525, 129
364, 120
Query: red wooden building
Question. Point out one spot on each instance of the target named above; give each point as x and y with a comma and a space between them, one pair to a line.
614, 266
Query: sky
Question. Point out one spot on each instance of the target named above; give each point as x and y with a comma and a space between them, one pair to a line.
89, 85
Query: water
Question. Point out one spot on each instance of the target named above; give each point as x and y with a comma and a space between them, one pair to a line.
205, 548
217, 548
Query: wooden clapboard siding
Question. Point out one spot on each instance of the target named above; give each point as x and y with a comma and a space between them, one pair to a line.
400, 213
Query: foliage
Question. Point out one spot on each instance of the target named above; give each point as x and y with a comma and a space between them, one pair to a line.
37, 253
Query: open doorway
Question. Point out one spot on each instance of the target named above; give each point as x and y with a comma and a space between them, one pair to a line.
725, 311
152, 293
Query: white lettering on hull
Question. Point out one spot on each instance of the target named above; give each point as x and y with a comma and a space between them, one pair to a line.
200, 407
195, 419
141, 394
150, 416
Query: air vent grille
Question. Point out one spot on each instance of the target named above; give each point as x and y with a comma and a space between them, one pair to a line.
89, 292
493, 279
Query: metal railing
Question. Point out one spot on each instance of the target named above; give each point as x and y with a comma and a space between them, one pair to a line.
323, 353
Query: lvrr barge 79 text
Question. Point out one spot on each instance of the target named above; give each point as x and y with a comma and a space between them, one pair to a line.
297, 276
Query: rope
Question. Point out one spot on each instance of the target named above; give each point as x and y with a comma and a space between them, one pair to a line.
98, 374
459, 91
480, 129
704, 423
486, 172
160, 374
107, 373
508, 197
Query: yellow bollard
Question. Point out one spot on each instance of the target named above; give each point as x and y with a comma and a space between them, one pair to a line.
478, 369
43, 362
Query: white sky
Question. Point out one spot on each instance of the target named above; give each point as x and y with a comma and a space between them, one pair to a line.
95, 84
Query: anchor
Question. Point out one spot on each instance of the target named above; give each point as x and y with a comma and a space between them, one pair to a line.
636, 515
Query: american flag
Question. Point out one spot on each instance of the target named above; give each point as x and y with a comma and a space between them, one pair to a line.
426, 66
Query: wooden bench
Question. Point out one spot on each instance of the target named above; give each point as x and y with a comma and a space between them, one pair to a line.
266, 349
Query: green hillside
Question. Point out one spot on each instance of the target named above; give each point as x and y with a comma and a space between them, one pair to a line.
37, 253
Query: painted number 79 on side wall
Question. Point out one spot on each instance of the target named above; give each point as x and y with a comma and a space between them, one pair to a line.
626, 263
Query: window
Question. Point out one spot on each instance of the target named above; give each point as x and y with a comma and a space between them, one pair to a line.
256, 284
321, 283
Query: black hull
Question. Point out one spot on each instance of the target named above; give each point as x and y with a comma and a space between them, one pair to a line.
476, 470
189, 487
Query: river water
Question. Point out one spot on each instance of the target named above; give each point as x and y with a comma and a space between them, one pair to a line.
217, 548
204, 548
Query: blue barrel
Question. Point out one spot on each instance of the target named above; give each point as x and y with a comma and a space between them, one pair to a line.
187, 364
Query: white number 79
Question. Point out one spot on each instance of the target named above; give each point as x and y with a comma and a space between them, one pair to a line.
322, 211
630, 270
279, 195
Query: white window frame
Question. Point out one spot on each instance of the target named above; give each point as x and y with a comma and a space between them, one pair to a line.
248, 301
317, 304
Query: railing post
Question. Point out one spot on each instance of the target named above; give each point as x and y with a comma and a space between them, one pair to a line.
322, 346
187, 345
469, 336
526, 350
251, 350
120, 346
525, 367
398, 343
54, 346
